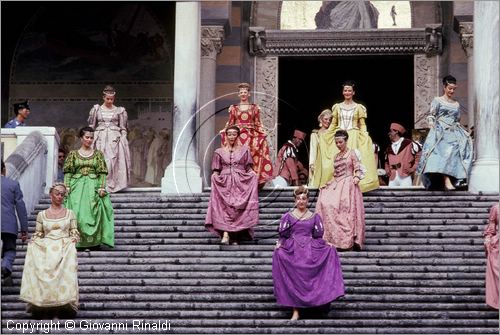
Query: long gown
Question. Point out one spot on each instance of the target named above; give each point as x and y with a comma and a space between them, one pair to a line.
353, 121
50, 268
319, 157
110, 127
234, 199
491, 237
252, 134
448, 147
84, 176
340, 205
306, 270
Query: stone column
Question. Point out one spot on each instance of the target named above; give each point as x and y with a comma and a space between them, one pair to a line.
212, 38
183, 173
466, 38
484, 173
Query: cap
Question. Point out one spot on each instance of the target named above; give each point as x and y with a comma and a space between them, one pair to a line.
21, 105
299, 134
398, 127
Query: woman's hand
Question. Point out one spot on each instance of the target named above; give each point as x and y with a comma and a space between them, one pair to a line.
355, 180
278, 244
101, 192
311, 167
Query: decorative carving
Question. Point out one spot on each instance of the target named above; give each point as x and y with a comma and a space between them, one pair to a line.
338, 43
257, 41
425, 87
266, 95
212, 38
433, 40
467, 37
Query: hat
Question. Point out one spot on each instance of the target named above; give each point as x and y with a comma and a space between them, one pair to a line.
21, 105
299, 134
398, 127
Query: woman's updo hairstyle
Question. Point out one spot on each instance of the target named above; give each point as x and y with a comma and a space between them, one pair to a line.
234, 127
301, 190
85, 130
449, 80
342, 133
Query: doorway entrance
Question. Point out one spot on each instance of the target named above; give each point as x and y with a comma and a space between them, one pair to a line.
307, 85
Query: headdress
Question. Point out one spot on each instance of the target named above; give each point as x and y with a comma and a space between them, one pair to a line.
398, 127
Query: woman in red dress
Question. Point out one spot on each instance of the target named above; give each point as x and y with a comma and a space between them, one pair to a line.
246, 116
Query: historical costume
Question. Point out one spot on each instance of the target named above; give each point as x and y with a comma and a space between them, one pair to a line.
85, 176
110, 124
306, 270
491, 245
50, 268
352, 120
13, 207
286, 166
252, 135
401, 158
340, 204
234, 199
448, 146
323, 163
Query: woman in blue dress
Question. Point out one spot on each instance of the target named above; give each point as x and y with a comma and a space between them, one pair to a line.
447, 152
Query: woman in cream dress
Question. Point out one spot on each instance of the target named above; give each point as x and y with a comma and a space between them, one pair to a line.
49, 283
350, 116
320, 160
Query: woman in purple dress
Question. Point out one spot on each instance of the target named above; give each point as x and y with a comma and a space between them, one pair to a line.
306, 270
233, 209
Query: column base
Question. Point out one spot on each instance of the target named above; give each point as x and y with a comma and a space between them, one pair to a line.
181, 177
484, 176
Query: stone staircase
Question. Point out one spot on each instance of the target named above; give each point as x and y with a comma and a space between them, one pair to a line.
422, 271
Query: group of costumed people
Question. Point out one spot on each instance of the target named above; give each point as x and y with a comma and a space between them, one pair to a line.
80, 216
343, 165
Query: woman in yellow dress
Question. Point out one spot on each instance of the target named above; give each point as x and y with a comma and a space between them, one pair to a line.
320, 160
350, 116
49, 284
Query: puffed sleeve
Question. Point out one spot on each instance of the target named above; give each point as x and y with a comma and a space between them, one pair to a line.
284, 229
258, 124
248, 160
491, 229
313, 147
69, 167
92, 120
356, 158
216, 162
335, 117
318, 227
39, 233
362, 115
123, 119
73, 226
101, 168
431, 116
232, 116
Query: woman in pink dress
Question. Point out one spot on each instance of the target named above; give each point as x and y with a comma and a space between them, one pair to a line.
340, 201
247, 117
110, 123
491, 246
233, 209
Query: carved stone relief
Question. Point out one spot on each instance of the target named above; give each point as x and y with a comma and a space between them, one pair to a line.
466, 37
425, 87
212, 38
266, 95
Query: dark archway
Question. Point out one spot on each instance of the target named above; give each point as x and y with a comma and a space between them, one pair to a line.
307, 85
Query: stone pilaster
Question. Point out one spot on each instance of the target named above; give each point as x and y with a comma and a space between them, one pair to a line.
183, 173
466, 30
484, 173
212, 39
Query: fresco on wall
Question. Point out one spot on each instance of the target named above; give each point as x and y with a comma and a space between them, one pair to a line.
122, 43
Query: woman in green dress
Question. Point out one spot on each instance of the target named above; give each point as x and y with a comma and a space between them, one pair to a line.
85, 177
